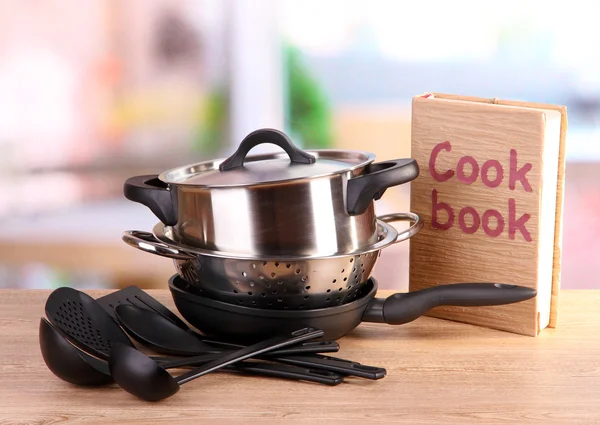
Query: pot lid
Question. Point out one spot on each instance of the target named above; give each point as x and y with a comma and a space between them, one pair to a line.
241, 169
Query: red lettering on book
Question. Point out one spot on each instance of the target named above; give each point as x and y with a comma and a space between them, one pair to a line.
463, 225
440, 177
492, 163
519, 174
436, 206
514, 224
460, 170
485, 223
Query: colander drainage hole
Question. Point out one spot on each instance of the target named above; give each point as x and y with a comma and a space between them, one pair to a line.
329, 290
307, 288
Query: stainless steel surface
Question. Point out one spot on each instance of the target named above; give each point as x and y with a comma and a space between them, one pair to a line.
386, 235
303, 217
296, 203
267, 169
290, 283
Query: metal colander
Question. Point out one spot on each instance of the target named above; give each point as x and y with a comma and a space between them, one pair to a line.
305, 284
275, 283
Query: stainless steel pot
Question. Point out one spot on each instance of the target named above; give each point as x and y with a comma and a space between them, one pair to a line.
294, 203
275, 282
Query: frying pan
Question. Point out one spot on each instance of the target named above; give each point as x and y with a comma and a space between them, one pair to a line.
241, 323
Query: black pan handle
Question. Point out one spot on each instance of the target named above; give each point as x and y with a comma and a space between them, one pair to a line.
148, 190
371, 185
406, 307
266, 135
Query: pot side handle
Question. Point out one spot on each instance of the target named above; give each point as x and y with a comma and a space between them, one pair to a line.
148, 190
406, 307
365, 188
266, 135
147, 242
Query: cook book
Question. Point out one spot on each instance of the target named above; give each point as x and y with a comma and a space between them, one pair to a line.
490, 193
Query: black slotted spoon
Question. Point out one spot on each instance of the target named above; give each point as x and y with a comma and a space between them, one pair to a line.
81, 318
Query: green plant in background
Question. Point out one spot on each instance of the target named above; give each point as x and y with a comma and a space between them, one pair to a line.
212, 123
308, 113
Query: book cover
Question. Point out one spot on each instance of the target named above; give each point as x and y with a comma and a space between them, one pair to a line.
490, 193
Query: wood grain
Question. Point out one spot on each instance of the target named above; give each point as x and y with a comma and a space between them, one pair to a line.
439, 372
560, 200
480, 129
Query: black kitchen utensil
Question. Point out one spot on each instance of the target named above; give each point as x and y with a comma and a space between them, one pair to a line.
135, 296
73, 365
163, 336
80, 317
143, 377
132, 295
67, 361
91, 328
240, 323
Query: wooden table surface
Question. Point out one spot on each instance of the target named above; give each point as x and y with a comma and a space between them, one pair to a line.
439, 372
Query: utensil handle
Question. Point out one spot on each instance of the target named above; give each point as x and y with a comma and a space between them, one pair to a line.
406, 307
146, 242
148, 190
251, 351
408, 216
322, 376
289, 372
334, 364
266, 135
363, 189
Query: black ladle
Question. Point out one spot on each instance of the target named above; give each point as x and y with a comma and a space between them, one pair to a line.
143, 377
157, 332
68, 362
77, 367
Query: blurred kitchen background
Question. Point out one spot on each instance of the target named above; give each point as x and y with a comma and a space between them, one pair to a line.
93, 92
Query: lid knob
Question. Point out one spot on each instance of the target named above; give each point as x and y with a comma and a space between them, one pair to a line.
266, 135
